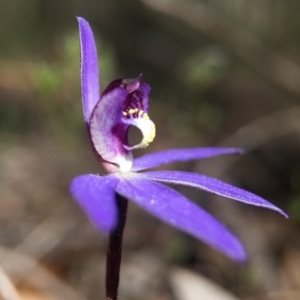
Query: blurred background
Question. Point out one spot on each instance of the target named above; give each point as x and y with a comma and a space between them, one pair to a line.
222, 72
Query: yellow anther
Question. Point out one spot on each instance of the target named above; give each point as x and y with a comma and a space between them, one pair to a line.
124, 113
131, 111
140, 112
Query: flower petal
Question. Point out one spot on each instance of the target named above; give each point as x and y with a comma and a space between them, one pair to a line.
96, 197
168, 156
89, 69
174, 209
211, 185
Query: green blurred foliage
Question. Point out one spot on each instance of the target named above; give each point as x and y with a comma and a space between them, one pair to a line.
203, 69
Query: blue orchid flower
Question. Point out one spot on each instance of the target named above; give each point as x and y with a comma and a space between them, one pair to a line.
108, 116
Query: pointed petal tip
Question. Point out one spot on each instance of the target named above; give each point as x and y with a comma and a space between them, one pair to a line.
274, 208
239, 151
282, 213
241, 256
81, 20
234, 250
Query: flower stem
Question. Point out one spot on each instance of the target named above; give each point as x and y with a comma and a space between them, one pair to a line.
114, 251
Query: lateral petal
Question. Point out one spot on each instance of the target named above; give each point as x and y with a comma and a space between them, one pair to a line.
88, 69
96, 197
174, 209
211, 185
156, 159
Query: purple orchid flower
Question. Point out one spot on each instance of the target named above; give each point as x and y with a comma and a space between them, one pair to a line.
122, 104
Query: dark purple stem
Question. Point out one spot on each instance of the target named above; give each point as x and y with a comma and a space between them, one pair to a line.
114, 251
